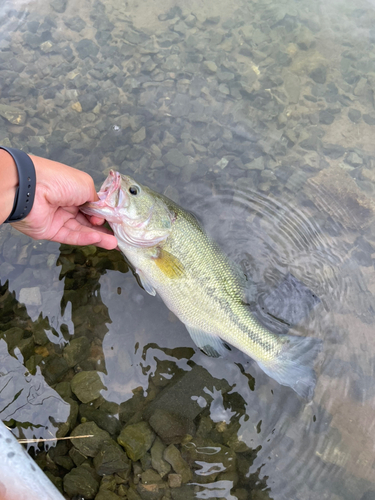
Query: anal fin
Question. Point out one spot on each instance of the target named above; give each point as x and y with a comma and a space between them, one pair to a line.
210, 344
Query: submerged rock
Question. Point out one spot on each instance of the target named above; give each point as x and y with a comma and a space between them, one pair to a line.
81, 481
137, 439
188, 396
170, 427
90, 446
173, 456
13, 115
111, 459
87, 386
107, 495
76, 351
335, 192
157, 460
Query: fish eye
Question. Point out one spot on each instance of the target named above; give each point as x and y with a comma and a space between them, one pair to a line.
134, 190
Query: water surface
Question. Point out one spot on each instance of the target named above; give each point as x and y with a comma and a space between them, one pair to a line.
258, 117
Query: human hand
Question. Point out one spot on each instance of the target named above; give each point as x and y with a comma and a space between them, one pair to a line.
55, 215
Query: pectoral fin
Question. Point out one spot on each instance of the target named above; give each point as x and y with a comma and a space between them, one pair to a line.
146, 285
210, 344
169, 264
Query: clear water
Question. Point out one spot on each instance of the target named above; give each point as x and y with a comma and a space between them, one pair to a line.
257, 116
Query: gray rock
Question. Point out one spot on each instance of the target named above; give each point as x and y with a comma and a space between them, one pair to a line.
132, 494
12, 336
77, 457
33, 40
174, 480
75, 23
304, 38
363, 258
176, 158
181, 105
326, 117
333, 150
186, 492
311, 143
151, 487
59, 5
81, 481
179, 465
157, 460
210, 66
88, 102
188, 396
213, 20
101, 417
225, 76
54, 369
108, 495
111, 459
87, 385
190, 20
360, 88
139, 136
354, 159
76, 351
296, 180
5, 269
354, 115
13, 115
87, 48
166, 39
319, 74
292, 87
63, 388
170, 427
90, 446
137, 439
369, 119
363, 388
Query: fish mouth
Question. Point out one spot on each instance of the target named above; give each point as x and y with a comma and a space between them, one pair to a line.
111, 197
110, 186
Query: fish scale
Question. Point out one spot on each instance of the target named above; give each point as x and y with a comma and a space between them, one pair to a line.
174, 257
212, 283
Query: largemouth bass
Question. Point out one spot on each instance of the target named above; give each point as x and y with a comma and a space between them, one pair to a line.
174, 257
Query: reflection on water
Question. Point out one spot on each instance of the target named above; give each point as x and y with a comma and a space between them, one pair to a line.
259, 117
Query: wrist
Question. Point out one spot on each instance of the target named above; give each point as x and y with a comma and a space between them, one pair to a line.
8, 183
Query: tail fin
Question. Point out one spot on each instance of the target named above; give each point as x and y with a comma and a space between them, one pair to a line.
293, 366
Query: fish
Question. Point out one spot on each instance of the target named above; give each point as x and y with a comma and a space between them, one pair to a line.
173, 257
20, 476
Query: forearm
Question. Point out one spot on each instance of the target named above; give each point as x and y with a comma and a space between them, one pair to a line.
8, 184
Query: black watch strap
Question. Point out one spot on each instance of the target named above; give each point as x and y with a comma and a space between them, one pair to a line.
24, 199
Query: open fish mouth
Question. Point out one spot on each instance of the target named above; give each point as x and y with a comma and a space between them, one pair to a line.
110, 186
111, 199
